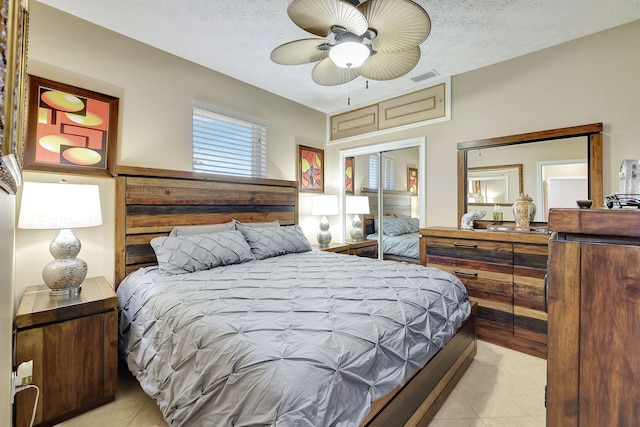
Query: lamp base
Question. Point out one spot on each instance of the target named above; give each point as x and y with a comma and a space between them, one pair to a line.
65, 274
357, 235
324, 235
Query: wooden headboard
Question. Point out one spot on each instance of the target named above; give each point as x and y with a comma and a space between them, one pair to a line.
150, 202
395, 202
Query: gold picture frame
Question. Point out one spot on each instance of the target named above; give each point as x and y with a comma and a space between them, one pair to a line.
15, 31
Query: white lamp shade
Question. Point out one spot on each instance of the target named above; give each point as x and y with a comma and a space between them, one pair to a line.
324, 205
357, 205
349, 54
48, 206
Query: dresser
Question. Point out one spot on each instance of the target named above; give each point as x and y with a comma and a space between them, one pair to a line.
73, 342
504, 272
593, 366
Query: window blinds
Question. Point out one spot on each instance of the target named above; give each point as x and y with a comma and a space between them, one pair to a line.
228, 143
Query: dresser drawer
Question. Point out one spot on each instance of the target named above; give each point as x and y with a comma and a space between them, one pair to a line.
473, 250
491, 290
490, 285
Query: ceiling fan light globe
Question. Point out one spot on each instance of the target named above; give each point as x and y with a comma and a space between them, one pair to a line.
349, 54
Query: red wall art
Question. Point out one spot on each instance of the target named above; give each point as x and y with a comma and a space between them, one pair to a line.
349, 175
310, 169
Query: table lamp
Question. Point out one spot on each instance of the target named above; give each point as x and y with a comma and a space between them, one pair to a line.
324, 205
357, 205
61, 206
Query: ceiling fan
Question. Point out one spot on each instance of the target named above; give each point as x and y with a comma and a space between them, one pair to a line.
377, 39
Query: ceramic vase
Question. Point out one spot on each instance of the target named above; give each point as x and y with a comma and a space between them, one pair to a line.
524, 210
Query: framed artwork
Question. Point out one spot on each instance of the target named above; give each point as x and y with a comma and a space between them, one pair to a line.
310, 169
412, 180
69, 129
14, 29
349, 174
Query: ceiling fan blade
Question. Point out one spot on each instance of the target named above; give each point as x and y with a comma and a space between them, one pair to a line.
326, 73
390, 65
318, 16
299, 52
401, 24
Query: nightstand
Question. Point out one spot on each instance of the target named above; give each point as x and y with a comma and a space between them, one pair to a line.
340, 248
73, 342
365, 248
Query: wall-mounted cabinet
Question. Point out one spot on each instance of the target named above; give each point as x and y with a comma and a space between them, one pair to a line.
413, 108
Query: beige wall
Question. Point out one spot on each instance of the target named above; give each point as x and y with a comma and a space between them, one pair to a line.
155, 91
7, 209
593, 79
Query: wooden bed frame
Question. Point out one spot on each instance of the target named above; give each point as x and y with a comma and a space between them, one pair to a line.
149, 202
395, 202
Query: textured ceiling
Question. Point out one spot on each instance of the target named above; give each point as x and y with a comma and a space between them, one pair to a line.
235, 37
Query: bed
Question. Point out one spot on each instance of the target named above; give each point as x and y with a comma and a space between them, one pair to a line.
191, 339
400, 239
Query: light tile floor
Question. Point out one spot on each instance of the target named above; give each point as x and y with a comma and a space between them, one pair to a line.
501, 388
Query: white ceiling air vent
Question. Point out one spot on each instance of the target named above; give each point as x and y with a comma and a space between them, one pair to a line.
425, 76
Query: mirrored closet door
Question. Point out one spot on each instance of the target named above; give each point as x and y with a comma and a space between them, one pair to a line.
390, 179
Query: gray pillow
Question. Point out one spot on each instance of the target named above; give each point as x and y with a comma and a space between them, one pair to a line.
376, 221
411, 224
186, 254
188, 230
397, 225
266, 242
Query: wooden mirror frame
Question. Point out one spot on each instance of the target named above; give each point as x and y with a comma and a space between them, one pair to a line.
592, 131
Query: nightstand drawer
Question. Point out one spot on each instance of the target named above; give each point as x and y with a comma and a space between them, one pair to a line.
367, 249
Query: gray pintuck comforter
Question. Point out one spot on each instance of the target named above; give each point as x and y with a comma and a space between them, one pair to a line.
307, 339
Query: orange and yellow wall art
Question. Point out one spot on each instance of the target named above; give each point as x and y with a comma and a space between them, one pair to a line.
70, 128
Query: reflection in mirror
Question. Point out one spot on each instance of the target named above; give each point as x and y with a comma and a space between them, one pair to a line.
396, 198
537, 157
559, 166
494, 185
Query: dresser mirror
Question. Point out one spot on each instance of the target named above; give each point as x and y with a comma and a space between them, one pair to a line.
556, 167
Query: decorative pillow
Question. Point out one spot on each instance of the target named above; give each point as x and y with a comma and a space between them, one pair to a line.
189, 230
396, 225
238, 224
376, 221
412, 224
186, 254
266, 242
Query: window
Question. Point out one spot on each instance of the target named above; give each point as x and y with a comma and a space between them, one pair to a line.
388, 172
228, 143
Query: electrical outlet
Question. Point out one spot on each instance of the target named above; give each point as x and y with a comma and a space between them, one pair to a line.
22, 377
24, 374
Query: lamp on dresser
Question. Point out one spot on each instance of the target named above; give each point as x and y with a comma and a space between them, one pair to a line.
61, 206
357, 205
324, 205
